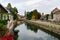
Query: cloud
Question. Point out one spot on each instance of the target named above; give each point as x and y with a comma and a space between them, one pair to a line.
45, 6
32, 2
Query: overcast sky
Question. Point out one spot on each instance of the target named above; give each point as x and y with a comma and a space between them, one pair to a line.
45, 6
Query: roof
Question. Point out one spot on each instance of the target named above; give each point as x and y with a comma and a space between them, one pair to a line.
56, 11
3, 8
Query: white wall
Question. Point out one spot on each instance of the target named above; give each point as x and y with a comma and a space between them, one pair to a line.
54, 16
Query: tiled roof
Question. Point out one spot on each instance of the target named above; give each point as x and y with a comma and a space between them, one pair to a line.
56, 10
3, 7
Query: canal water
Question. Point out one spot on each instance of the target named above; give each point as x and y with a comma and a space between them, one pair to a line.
30, 32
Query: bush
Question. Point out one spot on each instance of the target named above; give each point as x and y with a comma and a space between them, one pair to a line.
1, 25
3, 33
3, 21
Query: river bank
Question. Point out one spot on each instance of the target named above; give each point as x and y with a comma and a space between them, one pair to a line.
55, 28
32, 32
15, 32
10, 26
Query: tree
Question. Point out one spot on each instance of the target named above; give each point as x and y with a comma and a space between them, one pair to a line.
9, 5
47, 16
13, 11
51, 15
29, 15
37, 14
33, 15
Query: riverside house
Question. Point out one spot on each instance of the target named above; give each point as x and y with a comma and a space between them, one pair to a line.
5, 14
56, 14
42, 16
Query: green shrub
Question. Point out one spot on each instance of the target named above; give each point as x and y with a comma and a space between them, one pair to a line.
1, 25
3, 21
3, 33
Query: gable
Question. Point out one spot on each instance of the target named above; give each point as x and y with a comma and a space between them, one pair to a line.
2, 9
58, 12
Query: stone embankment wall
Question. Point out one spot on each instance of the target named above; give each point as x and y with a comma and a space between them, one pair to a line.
46, 25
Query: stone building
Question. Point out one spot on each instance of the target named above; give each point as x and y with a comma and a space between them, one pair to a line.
42, 16
56, 14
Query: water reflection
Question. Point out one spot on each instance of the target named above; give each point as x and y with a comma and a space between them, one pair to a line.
31, 27
30, 32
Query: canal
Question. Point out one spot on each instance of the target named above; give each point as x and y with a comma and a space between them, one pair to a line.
31, 32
